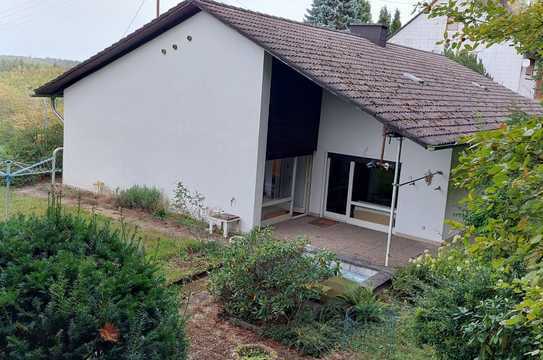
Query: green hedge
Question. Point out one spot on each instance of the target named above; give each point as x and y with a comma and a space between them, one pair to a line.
73, 289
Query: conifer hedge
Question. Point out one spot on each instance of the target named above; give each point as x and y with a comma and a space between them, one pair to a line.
71, 288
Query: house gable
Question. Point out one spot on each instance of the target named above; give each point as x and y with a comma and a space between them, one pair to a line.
191, 115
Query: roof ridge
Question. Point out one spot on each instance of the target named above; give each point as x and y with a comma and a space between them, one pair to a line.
275, 17
415, 49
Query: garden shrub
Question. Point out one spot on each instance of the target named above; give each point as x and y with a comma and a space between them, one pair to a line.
436, 318
481, 296
313, 338
363, 305
73, 289
460, 310
410, 281
264, 279
143, 197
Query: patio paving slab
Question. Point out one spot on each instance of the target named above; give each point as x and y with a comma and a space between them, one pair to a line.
353, 242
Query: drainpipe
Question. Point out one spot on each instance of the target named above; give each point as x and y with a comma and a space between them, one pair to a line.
395, 188
54, 109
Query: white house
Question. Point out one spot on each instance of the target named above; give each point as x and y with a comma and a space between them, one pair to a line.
271, 119
502, 62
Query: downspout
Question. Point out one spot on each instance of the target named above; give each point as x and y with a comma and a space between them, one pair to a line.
395, 189
54, 109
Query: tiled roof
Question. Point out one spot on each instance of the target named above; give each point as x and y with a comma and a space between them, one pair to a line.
452, 100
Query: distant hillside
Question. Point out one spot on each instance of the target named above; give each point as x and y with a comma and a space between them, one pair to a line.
9, 61
19, 76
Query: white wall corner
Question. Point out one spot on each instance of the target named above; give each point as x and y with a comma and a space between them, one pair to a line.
262, 137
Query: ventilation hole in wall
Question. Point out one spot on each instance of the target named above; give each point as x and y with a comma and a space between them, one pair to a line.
174, 46
189, 38
163, 51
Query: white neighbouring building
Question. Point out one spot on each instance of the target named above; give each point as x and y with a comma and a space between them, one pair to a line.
502, 62
272, 119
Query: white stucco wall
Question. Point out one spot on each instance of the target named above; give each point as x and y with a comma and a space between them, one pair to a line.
192, 115
502, 61
454, 198
345, 129
422, 33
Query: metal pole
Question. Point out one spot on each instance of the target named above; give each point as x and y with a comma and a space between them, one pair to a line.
157, 8
8, 183
395, 187
54, 166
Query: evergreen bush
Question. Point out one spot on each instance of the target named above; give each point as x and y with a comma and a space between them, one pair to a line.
73, 289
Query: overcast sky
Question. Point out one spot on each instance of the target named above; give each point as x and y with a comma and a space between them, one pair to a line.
77, 29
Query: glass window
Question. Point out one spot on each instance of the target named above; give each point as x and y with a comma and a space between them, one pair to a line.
373, 183
338, 185
278, 179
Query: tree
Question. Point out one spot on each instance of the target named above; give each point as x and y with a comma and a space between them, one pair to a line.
489, 22
321, 12
334, 14
347, 11
364, 12
396, 23
384, 17
468, 59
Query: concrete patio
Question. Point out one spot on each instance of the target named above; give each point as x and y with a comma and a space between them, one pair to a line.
352, 242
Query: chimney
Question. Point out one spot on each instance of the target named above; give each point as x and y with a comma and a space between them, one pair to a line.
376, 33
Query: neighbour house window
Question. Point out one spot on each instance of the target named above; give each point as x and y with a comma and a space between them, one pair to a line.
529, 69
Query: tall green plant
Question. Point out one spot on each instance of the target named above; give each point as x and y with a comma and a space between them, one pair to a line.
384, 17
396, 22
468, 59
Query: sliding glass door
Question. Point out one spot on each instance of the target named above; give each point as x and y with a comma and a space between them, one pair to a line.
285, 190
359, 191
